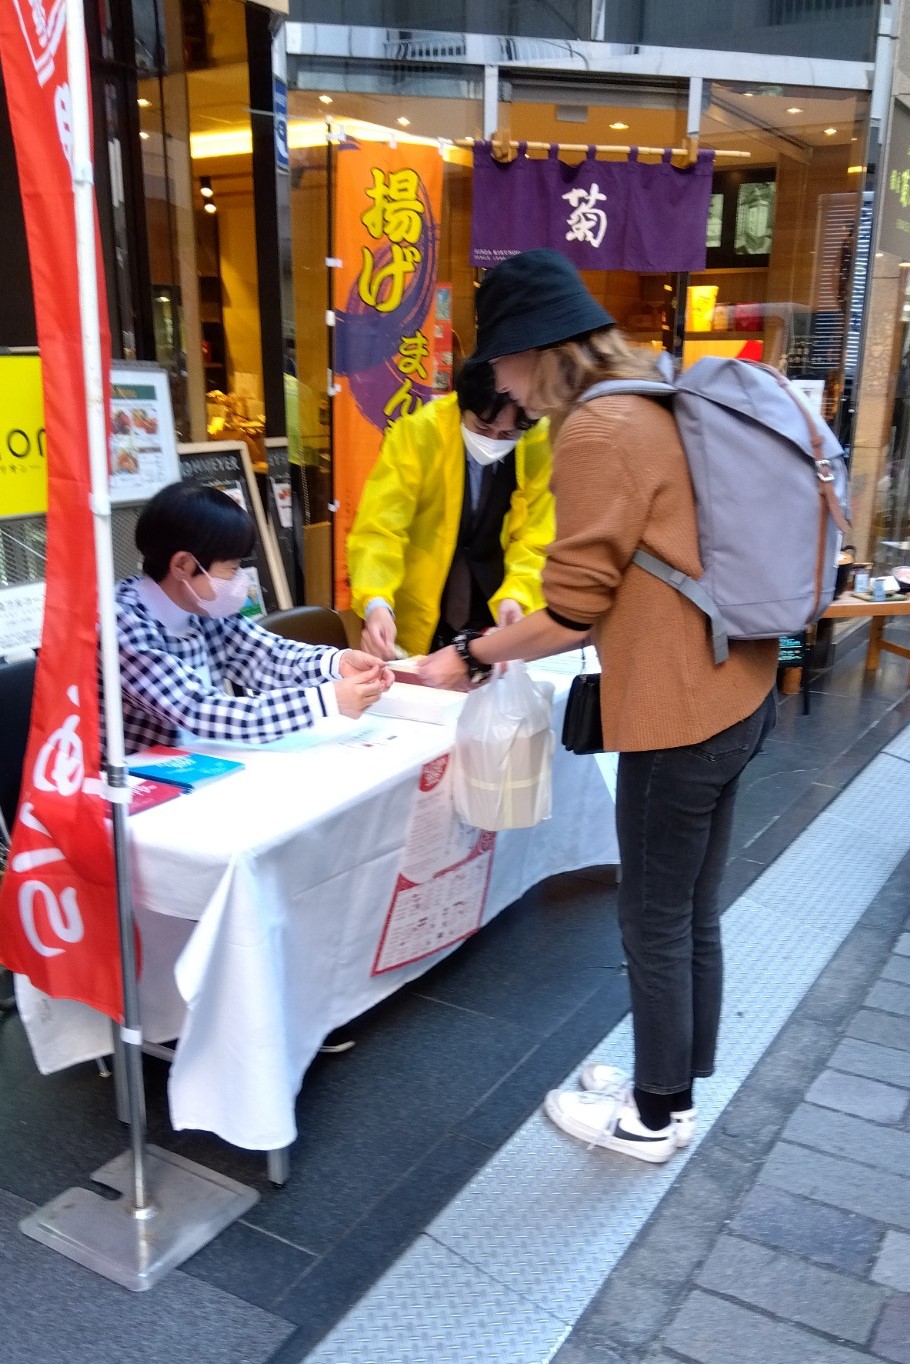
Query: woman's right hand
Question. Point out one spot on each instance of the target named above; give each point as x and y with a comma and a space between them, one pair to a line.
357, 693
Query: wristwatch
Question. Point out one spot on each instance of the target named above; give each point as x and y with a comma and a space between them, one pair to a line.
477, 672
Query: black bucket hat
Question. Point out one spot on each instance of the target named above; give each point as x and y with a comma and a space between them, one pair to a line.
531, 300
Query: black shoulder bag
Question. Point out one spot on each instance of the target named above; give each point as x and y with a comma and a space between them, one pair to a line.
582, 731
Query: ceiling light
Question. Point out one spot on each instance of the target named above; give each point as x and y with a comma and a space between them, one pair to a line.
403, 122
795, 109
145, 136
144, 103
205, 187
210, 207
162, 298
829, 132
619, 126
326, 99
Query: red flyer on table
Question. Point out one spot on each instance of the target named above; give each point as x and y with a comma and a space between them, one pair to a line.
146, 794
441, 890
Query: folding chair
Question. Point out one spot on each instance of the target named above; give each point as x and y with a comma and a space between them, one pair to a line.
308, 625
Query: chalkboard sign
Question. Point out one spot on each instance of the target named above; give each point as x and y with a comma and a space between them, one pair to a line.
279, 502
227, 465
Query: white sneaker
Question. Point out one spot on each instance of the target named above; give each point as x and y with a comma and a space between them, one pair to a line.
604, 1120
602, 1079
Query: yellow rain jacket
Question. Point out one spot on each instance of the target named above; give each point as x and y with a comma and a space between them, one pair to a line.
406, 528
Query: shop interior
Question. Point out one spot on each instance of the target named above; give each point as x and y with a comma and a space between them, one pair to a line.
783, 236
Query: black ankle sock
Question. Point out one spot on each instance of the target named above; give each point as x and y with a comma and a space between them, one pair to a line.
681, 1101
653, 1109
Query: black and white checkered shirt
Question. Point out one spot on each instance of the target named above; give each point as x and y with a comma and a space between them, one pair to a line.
172, 670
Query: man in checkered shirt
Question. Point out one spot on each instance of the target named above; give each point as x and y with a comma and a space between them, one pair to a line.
180, 638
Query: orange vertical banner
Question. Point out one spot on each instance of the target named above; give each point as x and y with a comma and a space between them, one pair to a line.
387, 213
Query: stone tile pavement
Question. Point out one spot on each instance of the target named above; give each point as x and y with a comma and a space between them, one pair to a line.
787, 1238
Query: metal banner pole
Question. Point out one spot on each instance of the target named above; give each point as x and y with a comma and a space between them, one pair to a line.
169, 1207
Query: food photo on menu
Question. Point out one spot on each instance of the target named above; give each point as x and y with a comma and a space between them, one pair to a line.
125, 460
145, 421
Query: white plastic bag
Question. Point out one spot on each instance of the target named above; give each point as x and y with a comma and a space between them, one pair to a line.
503, 759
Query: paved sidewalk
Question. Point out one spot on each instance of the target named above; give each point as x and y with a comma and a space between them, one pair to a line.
786, 1240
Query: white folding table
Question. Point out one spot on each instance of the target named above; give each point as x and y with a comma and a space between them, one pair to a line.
261, 900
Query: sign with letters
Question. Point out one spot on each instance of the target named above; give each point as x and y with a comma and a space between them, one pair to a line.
23, 442
601, 215
894, 235
387, 212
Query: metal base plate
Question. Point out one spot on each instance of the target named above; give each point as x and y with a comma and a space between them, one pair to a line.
191, 1205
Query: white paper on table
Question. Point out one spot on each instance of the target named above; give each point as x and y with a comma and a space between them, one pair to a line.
410, 701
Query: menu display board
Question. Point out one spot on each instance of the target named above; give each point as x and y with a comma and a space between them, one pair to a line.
740, 218
227, 465
143, 445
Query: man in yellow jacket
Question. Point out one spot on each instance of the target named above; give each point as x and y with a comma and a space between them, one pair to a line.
453, 522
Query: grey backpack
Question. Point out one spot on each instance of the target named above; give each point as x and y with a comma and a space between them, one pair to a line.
770, 484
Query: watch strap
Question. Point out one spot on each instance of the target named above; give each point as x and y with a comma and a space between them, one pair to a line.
477, 671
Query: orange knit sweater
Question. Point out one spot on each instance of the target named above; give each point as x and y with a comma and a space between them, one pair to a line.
621, 481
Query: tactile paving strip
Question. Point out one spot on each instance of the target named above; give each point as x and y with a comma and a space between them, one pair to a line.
900, 745
539, 1228
434, 1307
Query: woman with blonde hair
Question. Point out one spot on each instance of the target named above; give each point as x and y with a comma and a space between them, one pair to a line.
684, 727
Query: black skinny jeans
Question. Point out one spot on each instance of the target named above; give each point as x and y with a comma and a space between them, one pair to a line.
674, 816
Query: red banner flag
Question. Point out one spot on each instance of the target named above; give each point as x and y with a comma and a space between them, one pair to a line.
58, 907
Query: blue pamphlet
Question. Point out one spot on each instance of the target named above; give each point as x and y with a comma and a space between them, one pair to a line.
179, 768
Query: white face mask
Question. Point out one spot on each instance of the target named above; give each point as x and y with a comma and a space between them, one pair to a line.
230, 594
483, 448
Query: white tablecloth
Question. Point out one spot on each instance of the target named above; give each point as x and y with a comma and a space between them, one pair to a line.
261, 899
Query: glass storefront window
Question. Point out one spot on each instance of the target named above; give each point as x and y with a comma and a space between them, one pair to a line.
788, 236
196, 141
891, 524
369, 105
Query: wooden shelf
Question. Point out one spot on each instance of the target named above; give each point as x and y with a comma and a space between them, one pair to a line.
729, 270
724, 336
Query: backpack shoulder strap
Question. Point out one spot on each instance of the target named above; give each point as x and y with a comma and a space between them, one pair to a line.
688, 587
645, 388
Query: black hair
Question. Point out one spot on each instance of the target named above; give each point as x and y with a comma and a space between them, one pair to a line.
476, 390
186, 516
